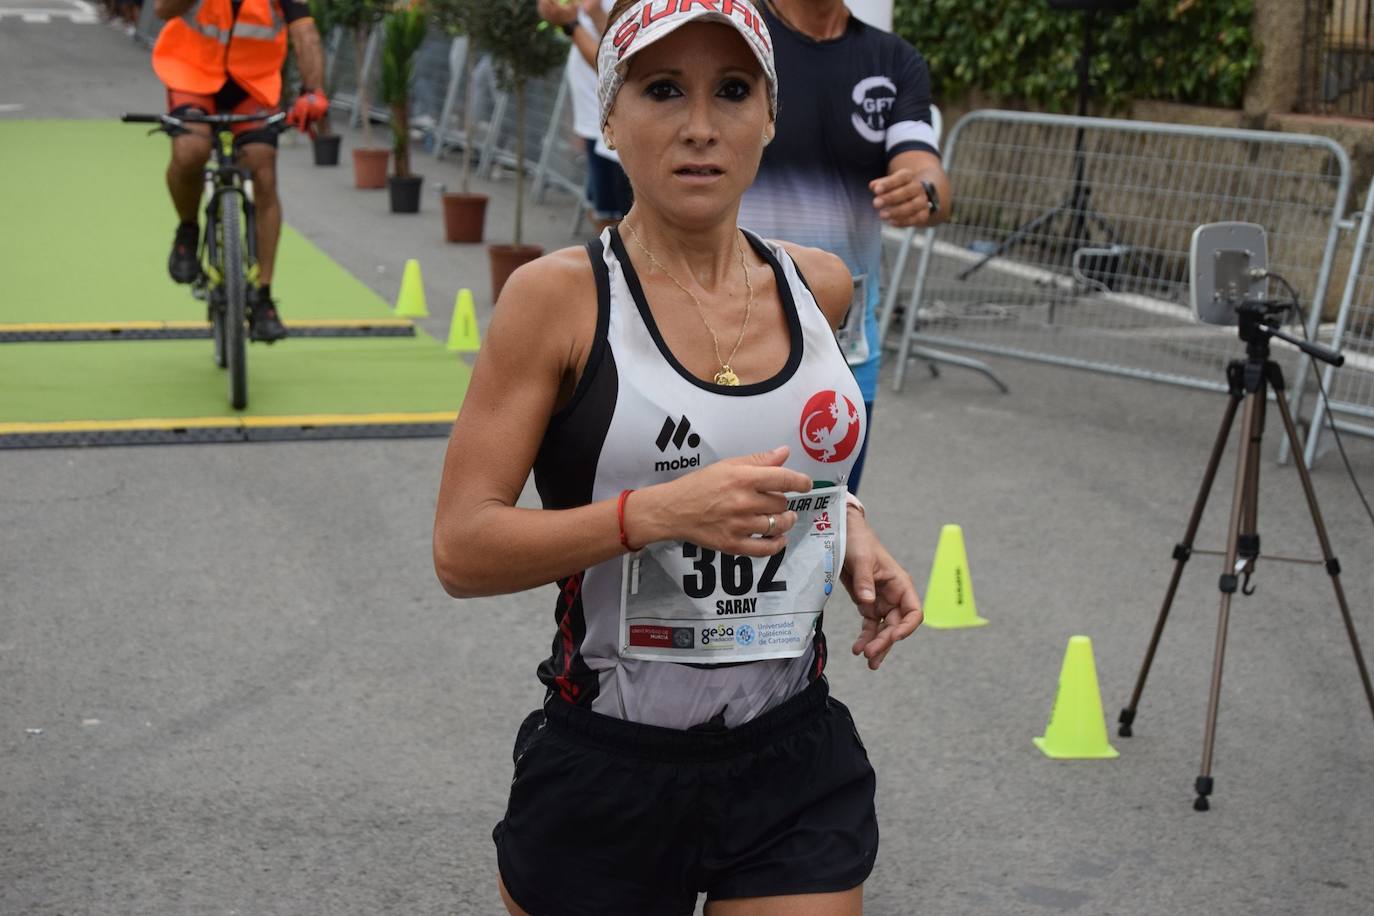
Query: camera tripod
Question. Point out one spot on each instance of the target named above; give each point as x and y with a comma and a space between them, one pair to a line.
1077, 208
1249, 381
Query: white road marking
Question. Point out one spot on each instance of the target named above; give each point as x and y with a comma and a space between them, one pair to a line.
77, 12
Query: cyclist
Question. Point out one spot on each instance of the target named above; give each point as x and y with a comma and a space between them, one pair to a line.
225, 57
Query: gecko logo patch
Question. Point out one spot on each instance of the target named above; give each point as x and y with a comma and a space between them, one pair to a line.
830, 427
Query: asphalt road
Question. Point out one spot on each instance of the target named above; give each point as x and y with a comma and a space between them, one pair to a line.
229, 683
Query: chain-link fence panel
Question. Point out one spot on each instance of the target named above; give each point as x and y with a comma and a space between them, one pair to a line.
1069, 238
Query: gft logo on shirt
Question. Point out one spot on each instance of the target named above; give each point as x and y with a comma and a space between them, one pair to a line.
829, 427
873, 98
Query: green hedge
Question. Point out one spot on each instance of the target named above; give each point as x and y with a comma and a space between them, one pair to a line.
1197, 51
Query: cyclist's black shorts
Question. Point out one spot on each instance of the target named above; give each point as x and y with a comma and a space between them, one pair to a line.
612, 817
230, 99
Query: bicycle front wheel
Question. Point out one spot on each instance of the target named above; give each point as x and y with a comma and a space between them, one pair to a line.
235, 297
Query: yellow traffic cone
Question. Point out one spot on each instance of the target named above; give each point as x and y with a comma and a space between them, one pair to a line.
1077, 729
411, 301
463, 336
949, 591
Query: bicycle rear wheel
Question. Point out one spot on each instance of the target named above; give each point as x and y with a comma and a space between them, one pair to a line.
235, 297
215, 297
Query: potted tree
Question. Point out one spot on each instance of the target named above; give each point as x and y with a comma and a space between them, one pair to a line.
522, 50
404, 33
360, 17
324, 142
464, 211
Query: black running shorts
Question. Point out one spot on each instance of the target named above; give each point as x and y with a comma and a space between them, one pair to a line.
612, 817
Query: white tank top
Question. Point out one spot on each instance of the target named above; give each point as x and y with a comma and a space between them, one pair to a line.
637, 418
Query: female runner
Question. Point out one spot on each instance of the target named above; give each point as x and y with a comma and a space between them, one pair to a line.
676, 388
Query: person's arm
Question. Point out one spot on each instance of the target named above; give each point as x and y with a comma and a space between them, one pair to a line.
305, 40
900, 198
564, 15
596, 10
881, 589
171, 9
540, 335
913, 150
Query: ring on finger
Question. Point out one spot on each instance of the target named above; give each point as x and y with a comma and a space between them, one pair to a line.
772, 526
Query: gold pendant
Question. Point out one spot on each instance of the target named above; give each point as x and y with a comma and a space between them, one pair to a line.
727, 377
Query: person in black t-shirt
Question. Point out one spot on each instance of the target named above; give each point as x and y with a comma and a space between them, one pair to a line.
855, 148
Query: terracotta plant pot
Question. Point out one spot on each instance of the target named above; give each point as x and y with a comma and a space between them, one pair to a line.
369, 167
464, 217
505, 259
327, 149
405, 193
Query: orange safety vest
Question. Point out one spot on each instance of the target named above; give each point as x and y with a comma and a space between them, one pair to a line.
199, 51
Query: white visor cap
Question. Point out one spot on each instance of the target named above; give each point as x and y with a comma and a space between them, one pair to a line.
648, 21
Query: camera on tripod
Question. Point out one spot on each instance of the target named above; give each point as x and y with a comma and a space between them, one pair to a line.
1229, 267
1228, 263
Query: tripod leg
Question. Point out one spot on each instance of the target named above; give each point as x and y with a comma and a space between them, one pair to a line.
1182, 551
1249, 452
1011, 241
1248, 541
1333, 566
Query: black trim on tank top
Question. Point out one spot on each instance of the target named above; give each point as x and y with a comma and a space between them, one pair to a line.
596, 254
789, 308
565, 467
824, 317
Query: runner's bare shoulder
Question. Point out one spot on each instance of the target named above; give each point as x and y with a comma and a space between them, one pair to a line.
550, 305
828, 278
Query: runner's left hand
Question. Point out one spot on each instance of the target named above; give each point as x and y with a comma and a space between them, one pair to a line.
900, 200
882, 590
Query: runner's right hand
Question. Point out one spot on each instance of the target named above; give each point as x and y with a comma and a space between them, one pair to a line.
720, 507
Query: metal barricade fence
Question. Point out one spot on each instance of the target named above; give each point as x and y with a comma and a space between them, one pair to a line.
549, 138
553, 154
1351, 387
149, 24
1037, 194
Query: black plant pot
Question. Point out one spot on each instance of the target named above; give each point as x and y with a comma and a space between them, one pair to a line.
327, 149
405, 193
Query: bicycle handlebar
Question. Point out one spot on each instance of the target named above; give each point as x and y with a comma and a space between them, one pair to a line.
193, 117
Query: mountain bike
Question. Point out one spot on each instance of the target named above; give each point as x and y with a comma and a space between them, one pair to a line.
229, 248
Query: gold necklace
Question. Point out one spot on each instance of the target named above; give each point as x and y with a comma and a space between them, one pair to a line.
726, 376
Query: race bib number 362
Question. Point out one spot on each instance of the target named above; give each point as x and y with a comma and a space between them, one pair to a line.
684, 603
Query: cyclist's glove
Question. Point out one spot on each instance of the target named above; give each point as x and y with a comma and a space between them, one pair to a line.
311, 106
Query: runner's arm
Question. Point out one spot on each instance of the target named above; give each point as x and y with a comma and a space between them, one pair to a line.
537, 344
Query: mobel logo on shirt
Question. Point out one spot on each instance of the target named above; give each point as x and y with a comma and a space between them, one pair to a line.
677, 434
873, 98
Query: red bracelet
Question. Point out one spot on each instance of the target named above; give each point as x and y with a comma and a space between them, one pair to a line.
620, 517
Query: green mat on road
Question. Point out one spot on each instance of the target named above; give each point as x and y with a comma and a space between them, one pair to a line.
98, 381
98, 393
84, 234
87, 226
